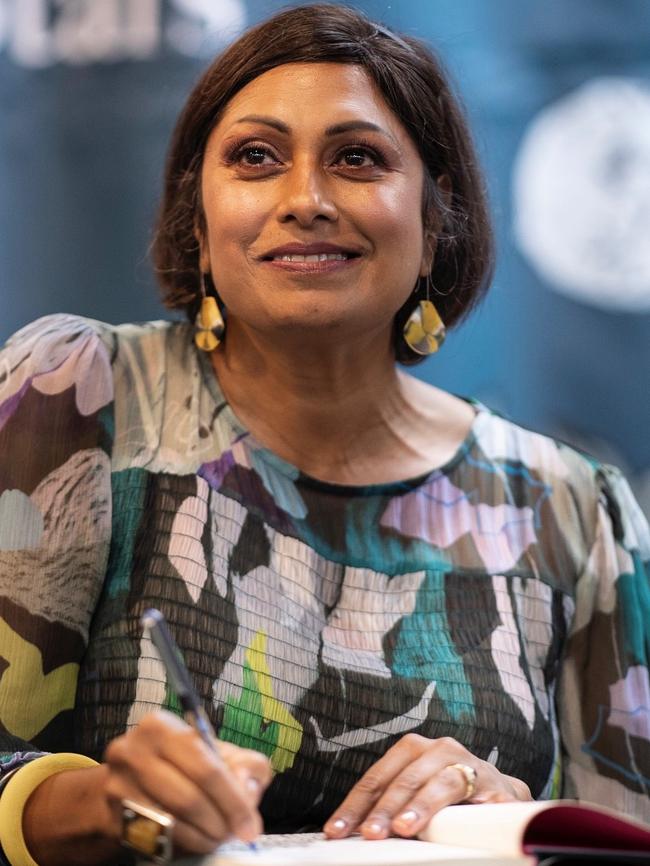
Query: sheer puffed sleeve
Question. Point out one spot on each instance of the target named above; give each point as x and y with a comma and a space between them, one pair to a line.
56, 393
604, 700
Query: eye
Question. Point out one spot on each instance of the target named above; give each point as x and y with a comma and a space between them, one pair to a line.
252, 155
358, 156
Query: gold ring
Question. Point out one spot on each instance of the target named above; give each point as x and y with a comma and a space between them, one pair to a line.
469, 774
147, 831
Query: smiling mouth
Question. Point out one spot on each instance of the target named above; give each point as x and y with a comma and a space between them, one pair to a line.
315, 257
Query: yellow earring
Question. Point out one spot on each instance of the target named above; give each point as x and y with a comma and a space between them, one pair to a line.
424, 330
209, 322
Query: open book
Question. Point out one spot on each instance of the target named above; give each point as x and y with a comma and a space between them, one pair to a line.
514, 834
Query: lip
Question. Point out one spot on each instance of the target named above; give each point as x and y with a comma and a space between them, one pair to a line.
327, 266
312, 249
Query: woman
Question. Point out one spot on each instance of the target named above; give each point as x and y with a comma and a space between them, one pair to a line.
375, 584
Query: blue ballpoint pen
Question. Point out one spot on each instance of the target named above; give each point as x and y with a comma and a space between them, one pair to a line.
179, 679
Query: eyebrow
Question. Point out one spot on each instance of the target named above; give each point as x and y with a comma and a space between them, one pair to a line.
335, 129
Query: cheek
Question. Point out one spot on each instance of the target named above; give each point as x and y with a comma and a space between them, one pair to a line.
394, 220
392, 217
233, 216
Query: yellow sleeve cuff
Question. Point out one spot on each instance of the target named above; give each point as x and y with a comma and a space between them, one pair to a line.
18, 791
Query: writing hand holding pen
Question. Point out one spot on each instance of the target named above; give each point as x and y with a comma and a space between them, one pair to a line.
162, 765
233, 779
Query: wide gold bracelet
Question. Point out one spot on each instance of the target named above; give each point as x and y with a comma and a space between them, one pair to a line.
17, 793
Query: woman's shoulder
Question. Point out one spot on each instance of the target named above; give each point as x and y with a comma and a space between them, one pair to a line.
61, 327
50, 340
61, 322
506, 441
56, 328
484, 442
59, 351
577, 484
52, 355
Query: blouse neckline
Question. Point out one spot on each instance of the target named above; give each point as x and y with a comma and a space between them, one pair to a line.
240, 433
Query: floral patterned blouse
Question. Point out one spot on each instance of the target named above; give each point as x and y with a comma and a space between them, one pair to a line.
502, 599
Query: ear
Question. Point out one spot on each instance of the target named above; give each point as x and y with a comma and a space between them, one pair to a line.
434, 225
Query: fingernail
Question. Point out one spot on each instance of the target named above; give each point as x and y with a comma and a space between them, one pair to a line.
407, 817
336, 827
252, 784
373, 827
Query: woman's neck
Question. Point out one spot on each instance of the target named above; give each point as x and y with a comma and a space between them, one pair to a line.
340, 413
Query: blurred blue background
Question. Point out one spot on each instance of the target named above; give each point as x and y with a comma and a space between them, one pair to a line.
558, 96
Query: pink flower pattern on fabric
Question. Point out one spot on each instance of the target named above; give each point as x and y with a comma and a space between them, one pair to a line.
441, 513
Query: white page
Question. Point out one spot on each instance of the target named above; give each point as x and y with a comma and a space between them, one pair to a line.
312, 849
496, 826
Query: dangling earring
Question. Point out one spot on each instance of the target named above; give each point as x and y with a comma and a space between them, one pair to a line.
209, 322
424, 330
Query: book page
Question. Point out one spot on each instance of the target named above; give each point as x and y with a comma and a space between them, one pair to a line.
313, 849
499, 827
508, 828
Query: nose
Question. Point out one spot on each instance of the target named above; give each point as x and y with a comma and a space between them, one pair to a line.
306, 197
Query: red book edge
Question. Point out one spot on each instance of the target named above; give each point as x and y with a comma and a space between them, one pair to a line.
573, 827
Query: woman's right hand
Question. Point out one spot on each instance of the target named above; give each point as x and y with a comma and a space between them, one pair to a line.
161, 763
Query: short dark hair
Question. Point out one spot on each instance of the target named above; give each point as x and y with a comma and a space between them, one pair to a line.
416, 88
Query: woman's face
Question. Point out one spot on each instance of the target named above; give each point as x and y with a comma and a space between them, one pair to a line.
312, 193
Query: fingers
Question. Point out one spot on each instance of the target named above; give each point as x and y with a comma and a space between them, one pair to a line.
448, 786
414, 780
251, 768
187, 837
162, 786
219, 790
357, 808
211, 795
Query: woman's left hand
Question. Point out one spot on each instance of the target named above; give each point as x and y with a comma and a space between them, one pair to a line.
402, 791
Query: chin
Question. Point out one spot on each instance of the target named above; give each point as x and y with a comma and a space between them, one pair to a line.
310, 320
297, 329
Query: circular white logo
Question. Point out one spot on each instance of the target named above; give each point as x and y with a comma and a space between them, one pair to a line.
581, 189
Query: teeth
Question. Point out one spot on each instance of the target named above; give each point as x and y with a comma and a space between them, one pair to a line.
319, 257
